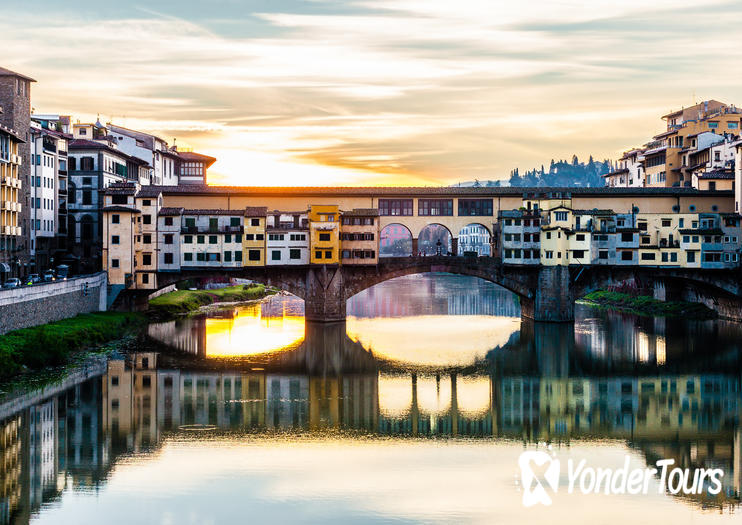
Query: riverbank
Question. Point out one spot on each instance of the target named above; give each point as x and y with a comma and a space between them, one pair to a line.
647, 306
53, 344
185, 301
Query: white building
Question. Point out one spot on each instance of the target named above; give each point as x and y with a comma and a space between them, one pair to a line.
211, 238
287, 238
151, 149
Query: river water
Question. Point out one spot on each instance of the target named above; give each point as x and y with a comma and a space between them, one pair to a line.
416, 410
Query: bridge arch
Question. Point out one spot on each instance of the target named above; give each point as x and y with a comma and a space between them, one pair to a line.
395, 240
475, 237
430, 235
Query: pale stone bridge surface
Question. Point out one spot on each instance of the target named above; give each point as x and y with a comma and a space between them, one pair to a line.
547, 293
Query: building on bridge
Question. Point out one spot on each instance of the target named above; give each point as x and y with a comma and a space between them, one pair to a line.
288, 239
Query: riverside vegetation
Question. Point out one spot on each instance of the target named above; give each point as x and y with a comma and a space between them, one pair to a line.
54, 343
184, 301
645, 305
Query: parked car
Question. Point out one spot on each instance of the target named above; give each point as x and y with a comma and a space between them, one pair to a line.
13, 282
63, 271
33, 279
49, 276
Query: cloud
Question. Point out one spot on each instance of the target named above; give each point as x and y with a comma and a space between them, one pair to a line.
382, 91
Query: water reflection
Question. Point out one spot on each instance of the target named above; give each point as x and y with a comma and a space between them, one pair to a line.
610, 383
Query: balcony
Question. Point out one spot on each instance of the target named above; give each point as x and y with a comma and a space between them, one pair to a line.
49, 145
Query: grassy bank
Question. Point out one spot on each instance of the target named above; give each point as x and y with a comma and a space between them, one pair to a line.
183, 301
52, 344
645, 305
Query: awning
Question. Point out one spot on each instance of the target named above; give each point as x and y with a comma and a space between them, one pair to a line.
4, 268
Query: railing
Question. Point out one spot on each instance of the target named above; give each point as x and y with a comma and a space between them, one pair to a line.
210, 229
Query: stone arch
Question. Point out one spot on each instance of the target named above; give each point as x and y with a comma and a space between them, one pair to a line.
395, 240
430, 235
475, 237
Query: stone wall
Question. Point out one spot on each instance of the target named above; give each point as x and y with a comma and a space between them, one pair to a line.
44, 303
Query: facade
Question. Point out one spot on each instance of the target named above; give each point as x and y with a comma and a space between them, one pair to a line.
254, 238
287, 238
359, 236
211, 238
15, 101
324, 234
192, 167
673, 158
11, 205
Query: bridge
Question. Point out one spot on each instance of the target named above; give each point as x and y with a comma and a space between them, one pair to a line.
547, 293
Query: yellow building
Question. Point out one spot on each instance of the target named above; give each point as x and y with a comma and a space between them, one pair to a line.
120, 228
324, 234
359, 236
660, 236
10, 203
253, 238
557, 226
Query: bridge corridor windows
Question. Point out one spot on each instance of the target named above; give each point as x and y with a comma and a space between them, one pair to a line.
435, 207
475, 207
395, 207
395, 241
475, 238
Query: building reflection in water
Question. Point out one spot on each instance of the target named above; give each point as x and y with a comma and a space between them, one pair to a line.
667, 389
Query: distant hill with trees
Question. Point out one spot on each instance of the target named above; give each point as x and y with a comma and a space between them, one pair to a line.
561, 173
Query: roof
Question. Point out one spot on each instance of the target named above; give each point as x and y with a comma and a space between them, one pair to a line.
8, 73
717, 174
256, 211
410, 191
594, 212
362, 212
125, 209
665, 134
150, 191
13, 133
212, 212
197, 157
655, 150
617, 172
171, 211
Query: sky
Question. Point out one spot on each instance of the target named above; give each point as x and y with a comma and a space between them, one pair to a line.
378, 92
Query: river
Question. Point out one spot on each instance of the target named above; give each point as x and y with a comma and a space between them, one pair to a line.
416, 410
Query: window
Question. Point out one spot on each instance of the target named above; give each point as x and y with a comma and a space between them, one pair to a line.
87, 197
119, 199
114, 263
324, 236
627, 256
560, 215
146, 202
234, 221
713, 125
578, 254
168, 221
317, 254
213, 223
665, 256
253, 255
190, 222
249, 236
147, 219
200, 239
580, 237
328, 254
732, 125
169, 238
145, 278
147, 238
168, 258
227, 256
114, 239
115, 218
187, 256
666, 223
238, 255
434, 207
395, 207
475, 207
294, 253
259, 236
648, 256
147, 259
228, 238
213, 239
254, 222
275, 255
690, 257
603, 254
188, 239
346, 254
